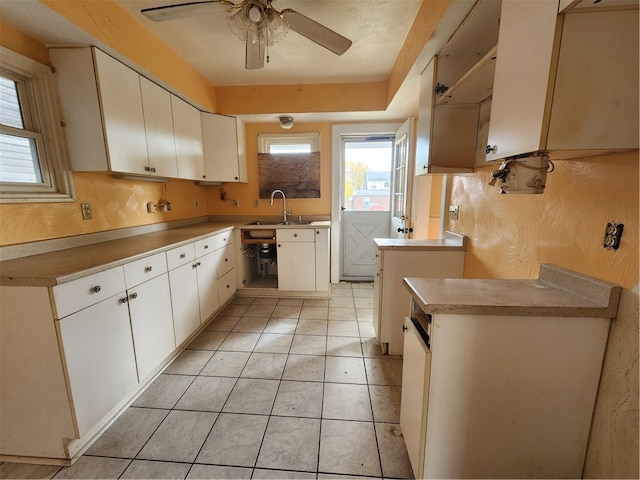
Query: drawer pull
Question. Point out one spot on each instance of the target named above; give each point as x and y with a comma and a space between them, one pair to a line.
147, 269
206, 247
96, 289
228, 286
182, 255
124, 300
295, 234
133, 296
226, 259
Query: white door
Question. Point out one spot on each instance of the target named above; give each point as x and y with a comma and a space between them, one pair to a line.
366, 201
400, 201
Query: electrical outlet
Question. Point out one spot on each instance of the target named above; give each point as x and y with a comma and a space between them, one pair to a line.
612, 235
453, 212
256, 203
86, 211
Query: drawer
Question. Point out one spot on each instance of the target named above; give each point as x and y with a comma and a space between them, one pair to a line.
226, 286
180, 255
296, 235
223, 239
226, 260
145, 269
73, 296
206, 245
212, 243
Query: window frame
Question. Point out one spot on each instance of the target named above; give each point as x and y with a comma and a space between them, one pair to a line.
39, 94
265, 140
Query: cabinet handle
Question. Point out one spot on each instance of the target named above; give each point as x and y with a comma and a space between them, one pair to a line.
295, 235
491, 149
224, 239
153, 170
147, 168
206, 247
228, 286
404, 328
226, 259
182, 255
124, 300
133, 296
96, 289
147, 269
424, 167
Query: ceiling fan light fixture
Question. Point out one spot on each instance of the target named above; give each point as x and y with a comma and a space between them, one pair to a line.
255, 14
286, 122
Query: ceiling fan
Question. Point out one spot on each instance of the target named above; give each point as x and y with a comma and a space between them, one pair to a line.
258, 24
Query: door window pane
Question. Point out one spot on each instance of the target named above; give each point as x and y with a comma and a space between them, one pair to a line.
367, 174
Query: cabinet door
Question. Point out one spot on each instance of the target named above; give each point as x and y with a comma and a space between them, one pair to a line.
416, 363
296, 266
226, 286
207, 285
377, 294
158, 122
597, 49
425, 118
520, 107
151, 323
220, 148
187, 130
184, 301
323, 279
99, 358
122, 115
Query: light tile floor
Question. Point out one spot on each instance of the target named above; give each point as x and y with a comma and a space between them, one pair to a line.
271, 389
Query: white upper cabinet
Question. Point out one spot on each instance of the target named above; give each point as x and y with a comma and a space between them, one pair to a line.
102, 111
224, 159
188, 139
525, 48
567, 83
452, 87
158, 122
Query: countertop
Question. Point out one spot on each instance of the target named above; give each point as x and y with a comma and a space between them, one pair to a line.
557, 292
53, 268
451, 242
61, 266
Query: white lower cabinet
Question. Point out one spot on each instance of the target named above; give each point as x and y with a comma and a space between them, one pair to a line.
99, 358
184, 301
207, 285
151, 323
416, 362
391, 298
81, 350
296, 259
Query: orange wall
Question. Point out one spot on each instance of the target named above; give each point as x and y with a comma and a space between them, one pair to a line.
114, 203
511, 235
247, 193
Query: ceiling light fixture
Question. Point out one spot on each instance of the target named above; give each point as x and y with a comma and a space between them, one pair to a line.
286, 122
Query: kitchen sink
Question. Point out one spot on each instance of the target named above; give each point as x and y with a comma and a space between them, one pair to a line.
268, 224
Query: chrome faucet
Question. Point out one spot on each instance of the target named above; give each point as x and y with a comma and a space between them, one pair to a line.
284, 204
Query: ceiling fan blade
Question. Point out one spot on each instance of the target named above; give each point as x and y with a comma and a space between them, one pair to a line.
254, 54
180, 10
316, 32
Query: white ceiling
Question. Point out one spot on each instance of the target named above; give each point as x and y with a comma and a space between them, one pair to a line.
377, 29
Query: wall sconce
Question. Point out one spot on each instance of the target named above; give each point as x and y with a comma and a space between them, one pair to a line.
286, 122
